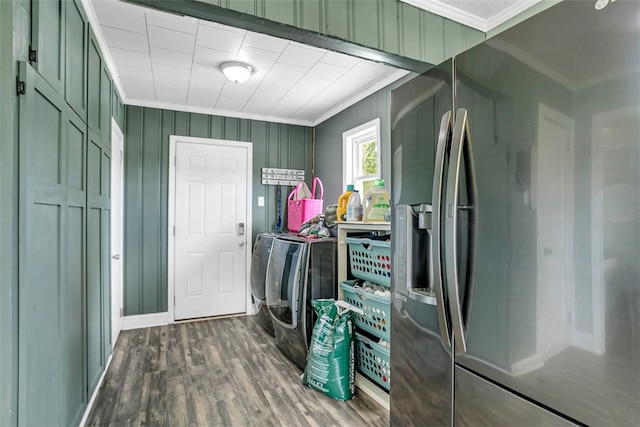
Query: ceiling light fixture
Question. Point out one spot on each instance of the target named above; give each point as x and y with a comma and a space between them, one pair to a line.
237, 72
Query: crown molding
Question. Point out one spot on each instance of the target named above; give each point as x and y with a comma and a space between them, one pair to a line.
468, 19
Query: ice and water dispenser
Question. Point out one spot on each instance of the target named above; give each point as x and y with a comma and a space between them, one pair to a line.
413, 263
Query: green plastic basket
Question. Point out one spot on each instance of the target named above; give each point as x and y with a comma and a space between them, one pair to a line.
370, 260
377, 310
373, 360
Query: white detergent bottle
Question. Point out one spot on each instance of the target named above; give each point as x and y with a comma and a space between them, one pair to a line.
376, 203
354, 207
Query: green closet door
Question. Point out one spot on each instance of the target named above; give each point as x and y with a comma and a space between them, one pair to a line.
47, 40
52, 280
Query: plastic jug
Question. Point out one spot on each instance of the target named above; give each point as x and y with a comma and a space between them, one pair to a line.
354, 207
341, 213
376, 203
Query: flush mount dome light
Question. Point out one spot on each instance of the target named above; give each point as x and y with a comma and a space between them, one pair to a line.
237, 72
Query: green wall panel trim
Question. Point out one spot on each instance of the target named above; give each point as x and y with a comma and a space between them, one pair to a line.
147, 132
10, 12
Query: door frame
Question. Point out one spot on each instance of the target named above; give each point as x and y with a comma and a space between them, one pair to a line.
117, 297
171, 213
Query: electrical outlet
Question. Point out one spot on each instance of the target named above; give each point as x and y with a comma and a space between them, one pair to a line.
260, 201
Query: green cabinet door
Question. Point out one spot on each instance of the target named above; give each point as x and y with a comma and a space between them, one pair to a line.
51, 333
47, 41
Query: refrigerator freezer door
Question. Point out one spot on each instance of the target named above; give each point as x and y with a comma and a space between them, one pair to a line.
421, 361
481, 403
554, 112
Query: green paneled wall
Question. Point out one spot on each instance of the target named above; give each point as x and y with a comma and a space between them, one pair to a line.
146, 136
328, 156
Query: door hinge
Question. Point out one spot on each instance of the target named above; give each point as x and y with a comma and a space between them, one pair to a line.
121, 311
21, 87
175, 161
33, 55
174, 230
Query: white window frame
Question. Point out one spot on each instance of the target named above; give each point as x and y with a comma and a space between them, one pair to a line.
351, 140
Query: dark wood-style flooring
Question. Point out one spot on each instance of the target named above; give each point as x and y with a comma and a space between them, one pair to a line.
216, 372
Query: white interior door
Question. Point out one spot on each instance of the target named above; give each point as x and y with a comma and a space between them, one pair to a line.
117, 207
210, 244
554, 218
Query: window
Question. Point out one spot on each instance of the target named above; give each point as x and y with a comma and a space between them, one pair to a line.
361, 156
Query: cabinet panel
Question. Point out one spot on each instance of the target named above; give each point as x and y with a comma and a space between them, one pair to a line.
94, 73
94, 306
51, 262
47, 39
75, 58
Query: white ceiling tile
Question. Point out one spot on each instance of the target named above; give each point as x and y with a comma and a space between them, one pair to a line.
126, 40
172, 73
325, 71
300, 56
124, 16
257, 107
257, 58
340, 59
236, 94
201, 98
272, 89
169, 39
220, 26
138, 89
170, 21
265, 42
230, 104
287, 72
291, 102
171, 96
131, 58
173, 85
212, 57
207, 85
219, 39
312, 85
207, 73
129, 72
366, 70
171, 57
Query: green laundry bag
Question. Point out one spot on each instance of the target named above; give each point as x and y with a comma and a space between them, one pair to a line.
330, 362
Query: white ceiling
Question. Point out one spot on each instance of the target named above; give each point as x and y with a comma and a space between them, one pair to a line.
168, 61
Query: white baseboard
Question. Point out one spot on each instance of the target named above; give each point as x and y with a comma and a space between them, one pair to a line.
145, 321
95, 393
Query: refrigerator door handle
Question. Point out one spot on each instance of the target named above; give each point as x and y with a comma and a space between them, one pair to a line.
461, 146
444, 138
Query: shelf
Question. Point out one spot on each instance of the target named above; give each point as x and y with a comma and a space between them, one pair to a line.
364, 384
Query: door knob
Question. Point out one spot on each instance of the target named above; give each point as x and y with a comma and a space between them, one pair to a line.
116, 256
241, 243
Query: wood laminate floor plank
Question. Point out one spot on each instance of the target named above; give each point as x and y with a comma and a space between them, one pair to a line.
215, 372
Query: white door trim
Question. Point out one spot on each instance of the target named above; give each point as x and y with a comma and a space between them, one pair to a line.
117, 297
173, 141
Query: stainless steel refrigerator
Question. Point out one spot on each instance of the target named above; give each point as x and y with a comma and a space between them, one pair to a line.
516, 221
